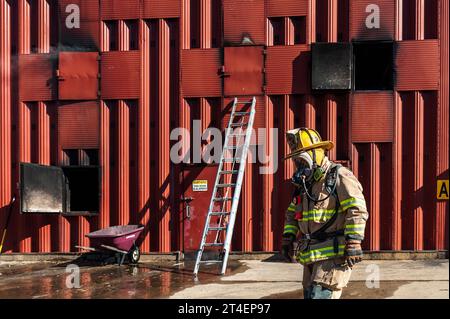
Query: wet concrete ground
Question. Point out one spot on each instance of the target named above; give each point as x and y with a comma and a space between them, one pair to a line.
245, 279
145, 280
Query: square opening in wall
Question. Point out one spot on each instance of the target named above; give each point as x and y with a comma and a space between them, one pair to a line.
276, 26
373, 65
112, 35
133, 34
83, 189
70, 157
299, 25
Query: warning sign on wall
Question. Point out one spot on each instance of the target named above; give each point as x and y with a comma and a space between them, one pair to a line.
200, 185
442, 189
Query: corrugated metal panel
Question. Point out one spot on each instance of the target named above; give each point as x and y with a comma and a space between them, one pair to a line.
163, 120
143, 153
430, 130
120, 73
43, 27
386, 182
368, 172
161, 9
414, 214
361, 21
401, 217
6, 111
268, 232
286, 8
216, 23
239, 24
37, 81
44, 149
119, 9
84, 38
372, 117
89, 9
407, 168
78, 75
417, 65
78, 125
104, 158
373, 227
199, 81
442, 229
123, 163
395, 223
287, 69
205, 24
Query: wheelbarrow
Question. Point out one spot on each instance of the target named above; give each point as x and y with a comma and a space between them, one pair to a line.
118, 239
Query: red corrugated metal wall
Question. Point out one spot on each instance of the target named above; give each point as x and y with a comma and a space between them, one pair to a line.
160, 66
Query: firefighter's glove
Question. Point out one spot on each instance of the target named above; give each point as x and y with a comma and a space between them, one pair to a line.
353, 252
287, 247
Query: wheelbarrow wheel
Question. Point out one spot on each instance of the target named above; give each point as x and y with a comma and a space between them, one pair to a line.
134, 254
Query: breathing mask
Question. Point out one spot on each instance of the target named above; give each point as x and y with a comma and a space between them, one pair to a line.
304, 169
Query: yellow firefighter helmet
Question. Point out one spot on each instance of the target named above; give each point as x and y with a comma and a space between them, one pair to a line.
307, 140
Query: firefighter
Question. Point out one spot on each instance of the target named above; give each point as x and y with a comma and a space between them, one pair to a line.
326, 217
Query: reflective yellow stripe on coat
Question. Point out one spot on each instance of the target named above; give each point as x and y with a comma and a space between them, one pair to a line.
323, 215
354, 229
352, 202
323, 253
317, 215
291, 208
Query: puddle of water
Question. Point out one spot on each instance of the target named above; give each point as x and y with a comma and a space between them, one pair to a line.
146, 280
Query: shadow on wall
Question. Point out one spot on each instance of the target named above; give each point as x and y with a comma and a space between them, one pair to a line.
300, 81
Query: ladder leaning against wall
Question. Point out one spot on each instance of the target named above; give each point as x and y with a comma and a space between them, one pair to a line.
227, 187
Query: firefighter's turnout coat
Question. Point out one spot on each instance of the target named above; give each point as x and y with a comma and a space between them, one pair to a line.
304, 217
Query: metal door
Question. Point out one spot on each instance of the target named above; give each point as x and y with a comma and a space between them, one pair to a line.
42, 189
78, 75
198, 184
331, 66
243, 70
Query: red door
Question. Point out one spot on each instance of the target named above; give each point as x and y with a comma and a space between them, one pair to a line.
198, 184
244, 70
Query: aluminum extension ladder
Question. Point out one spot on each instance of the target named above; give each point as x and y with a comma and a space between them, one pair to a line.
228, 184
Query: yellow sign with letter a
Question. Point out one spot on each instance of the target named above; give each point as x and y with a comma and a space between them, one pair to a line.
442, 189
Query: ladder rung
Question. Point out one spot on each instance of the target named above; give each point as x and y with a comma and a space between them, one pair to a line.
222, 199
230, 160
229, 172
226, 185
210, 261
243, 134
213, 244
217, 228
219, 213
238, 124
247, 102
241, 113
233, 147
